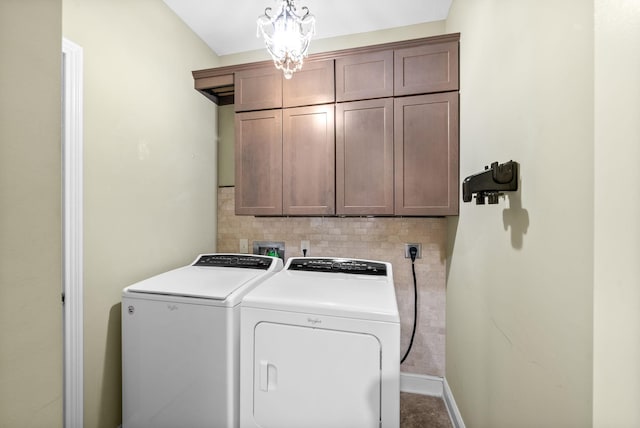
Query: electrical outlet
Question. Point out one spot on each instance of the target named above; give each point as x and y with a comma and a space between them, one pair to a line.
304, 245
244, 246
407, 247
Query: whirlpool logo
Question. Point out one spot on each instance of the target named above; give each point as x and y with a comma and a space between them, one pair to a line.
172, 307
314, 321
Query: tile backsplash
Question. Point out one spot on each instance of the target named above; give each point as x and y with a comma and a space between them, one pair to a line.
373, 238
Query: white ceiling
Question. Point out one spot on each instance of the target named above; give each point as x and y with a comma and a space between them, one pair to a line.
229, 26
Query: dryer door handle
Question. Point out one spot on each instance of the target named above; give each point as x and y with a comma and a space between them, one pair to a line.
268, 376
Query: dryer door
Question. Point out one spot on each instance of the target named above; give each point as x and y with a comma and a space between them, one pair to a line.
309, 377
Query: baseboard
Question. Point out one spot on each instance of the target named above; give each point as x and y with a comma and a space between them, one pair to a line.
452, 408
436, 387
421, 384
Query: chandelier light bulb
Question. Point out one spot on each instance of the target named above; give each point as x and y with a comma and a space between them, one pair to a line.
287, 35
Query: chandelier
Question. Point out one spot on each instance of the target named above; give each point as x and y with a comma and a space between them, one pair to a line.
287, 35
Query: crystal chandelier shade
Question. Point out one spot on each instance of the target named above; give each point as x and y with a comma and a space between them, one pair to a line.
287, 35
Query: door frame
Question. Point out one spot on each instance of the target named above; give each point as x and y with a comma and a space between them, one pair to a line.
72, 137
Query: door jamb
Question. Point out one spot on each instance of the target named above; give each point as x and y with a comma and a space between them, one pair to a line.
72, 123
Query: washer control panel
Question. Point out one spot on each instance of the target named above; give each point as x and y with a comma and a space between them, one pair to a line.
234, 260
353, 266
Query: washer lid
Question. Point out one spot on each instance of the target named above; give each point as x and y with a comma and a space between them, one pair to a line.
336, 293
210, 277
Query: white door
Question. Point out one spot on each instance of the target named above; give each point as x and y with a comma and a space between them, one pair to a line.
315, 378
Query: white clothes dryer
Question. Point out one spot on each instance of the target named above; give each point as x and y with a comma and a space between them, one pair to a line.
320, 347
181, 342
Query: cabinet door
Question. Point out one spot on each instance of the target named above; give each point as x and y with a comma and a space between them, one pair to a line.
425, 69
364, 157
308, 161
426, 154
258, 89
314, 84
258, 152
364, 76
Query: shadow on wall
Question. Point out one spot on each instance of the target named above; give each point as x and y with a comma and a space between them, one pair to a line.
111, 396
452, 232
516, 218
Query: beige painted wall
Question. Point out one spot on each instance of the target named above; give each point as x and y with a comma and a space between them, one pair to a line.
30, 215
150, 156
520, 284
616, 371
226, 143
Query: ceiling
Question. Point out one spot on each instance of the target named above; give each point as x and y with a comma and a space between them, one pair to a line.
229, 27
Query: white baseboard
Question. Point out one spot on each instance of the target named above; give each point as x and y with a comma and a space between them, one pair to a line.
436, 387
452, 408
421, 384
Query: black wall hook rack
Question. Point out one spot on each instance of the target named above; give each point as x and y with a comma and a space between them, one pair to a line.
491, 182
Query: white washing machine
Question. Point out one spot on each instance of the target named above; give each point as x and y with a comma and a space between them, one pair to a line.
320, 347
181, 342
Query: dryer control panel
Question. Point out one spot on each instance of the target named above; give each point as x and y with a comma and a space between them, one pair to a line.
234, 260
353, 266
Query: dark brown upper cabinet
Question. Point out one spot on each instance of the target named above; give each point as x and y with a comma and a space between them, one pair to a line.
285, 161
265, 87
314, 84
363, 131
258, 160
426, 155
425, 69
258, 89
364, 76
308, 168
364, 157
425, 65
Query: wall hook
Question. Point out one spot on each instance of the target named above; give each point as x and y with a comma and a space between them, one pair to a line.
491, 182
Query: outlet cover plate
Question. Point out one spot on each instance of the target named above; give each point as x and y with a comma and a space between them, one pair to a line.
406, 250
244, 246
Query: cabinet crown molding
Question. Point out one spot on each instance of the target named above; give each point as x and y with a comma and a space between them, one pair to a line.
217, 83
